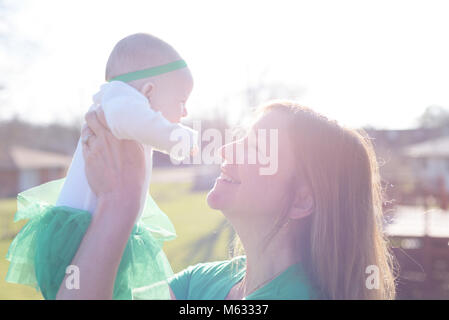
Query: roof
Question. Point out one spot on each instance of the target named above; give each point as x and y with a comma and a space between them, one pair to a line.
17, 157
410, 221
432, 148
406, 137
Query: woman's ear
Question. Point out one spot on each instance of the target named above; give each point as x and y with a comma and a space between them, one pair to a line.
303, 203
148, 90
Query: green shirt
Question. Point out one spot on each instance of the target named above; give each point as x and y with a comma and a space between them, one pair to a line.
214, 280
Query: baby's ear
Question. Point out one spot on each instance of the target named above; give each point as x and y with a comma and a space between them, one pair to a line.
147, 90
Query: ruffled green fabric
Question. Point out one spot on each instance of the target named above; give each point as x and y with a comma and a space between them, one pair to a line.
45, 246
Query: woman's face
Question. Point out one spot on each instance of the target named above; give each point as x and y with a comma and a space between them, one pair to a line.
250, 195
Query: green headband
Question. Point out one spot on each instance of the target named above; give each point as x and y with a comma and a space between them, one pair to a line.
150, 72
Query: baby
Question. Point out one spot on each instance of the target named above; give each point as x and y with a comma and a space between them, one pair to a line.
158, 80
144, 100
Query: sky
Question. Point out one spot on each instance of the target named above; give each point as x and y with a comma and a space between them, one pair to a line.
377, 63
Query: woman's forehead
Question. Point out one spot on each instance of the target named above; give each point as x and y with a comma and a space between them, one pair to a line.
273, 125
272, 119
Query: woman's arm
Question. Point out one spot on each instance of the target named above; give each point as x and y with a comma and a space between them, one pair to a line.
115, 170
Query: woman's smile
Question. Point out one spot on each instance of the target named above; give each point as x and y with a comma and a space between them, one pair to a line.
227, 178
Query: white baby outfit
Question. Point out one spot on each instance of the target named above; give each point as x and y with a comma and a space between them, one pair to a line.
129, 116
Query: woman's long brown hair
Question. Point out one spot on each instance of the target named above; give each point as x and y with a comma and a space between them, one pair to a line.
342, 241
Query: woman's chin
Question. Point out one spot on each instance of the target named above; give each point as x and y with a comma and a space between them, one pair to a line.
214, 201
223, 194
217, 198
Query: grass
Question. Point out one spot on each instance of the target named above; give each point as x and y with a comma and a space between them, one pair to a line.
188, 211
192, 218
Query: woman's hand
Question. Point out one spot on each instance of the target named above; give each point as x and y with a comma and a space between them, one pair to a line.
115, 169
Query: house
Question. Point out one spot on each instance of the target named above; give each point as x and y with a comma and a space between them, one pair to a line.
22, 168
389, 143
392, 140
430, 163
401, 172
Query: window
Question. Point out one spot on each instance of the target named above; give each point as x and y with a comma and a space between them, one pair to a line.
423, 162
28, 178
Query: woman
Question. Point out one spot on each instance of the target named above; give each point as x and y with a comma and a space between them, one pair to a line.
309, 231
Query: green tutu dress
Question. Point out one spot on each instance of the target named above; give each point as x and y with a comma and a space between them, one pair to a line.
46, 245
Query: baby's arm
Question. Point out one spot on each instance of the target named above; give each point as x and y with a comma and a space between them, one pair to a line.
129, 116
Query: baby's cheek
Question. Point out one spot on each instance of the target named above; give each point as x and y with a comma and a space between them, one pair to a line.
175, 110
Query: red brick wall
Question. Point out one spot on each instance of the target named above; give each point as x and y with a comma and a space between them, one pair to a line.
9, 180
51, 174
8, 183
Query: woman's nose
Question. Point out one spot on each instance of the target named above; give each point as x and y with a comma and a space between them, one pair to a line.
224, 152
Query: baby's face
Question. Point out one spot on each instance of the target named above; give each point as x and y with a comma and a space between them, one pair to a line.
170, 93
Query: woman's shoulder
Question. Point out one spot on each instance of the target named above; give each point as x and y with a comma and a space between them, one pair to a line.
205, 276
216, 267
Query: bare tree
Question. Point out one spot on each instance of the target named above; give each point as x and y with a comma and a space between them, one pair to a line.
19, 50
264, 91
434, 117
261, 89
3, 28
4, 36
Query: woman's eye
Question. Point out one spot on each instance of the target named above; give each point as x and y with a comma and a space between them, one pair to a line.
254, 147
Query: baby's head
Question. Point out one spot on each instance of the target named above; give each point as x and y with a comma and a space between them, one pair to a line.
166, 92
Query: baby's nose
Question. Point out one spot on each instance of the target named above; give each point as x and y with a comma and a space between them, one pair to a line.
184, 112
